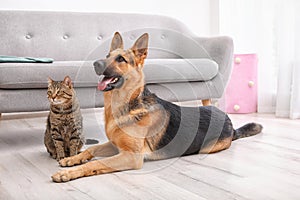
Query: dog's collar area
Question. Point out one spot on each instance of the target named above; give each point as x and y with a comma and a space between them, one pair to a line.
108, 83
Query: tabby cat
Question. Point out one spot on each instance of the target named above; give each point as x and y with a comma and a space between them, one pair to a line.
63, 136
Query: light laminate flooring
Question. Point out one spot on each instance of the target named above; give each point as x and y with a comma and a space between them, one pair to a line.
265, 166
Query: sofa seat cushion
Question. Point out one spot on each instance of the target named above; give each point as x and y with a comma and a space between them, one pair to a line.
34, 75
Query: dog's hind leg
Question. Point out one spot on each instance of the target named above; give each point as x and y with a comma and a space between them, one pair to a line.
102, 150
122, 161
217, 146
206, 102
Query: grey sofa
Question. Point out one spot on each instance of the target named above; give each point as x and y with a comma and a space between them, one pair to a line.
180, 66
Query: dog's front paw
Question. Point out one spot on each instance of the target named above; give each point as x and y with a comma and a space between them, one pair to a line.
68, 174
61, 176
71, 161
76, 160
67, 162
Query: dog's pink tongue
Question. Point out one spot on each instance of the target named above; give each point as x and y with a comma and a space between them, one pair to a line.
103, 84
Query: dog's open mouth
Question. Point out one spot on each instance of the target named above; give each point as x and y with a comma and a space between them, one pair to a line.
109, 83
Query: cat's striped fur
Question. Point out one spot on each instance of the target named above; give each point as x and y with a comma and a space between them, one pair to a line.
63, 136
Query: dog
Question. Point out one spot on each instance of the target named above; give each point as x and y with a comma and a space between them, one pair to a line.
141, 126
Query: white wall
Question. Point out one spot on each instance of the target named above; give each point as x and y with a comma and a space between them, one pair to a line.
196, 14
251, 24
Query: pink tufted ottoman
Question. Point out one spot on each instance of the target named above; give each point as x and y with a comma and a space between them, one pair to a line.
241, 93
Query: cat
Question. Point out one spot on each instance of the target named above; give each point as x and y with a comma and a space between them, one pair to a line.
63, 135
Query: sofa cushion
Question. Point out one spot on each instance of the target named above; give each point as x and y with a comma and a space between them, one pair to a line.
68, 36
35, 75
179, 70
29, 75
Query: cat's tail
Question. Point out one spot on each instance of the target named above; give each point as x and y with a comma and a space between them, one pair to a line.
91, 141
247, 130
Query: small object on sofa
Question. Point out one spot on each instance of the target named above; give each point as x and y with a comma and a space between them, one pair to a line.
16, 59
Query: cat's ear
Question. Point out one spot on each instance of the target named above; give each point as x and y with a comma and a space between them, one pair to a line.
50, 81
67, 81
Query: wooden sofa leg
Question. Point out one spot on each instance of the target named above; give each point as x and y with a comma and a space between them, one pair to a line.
206, 102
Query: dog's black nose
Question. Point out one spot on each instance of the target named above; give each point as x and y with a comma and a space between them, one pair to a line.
99, 67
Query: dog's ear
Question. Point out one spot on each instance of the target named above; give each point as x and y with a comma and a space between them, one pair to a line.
117, 42
140, 48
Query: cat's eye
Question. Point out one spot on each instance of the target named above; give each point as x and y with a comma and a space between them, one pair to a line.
120, 59
65, 93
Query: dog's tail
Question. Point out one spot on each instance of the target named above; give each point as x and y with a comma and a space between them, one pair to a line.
247, 130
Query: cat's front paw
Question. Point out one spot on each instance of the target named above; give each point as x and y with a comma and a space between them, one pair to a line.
58, 158
53, 156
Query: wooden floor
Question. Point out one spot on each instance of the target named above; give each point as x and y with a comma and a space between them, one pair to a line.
265, 166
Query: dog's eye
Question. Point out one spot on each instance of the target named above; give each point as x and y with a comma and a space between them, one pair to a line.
120, 59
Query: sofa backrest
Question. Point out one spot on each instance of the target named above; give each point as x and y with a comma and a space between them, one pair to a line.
87, 36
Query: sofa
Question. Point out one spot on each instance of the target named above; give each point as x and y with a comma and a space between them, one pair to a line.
180, 66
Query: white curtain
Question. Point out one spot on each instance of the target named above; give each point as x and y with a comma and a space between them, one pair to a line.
271, 29
288, 54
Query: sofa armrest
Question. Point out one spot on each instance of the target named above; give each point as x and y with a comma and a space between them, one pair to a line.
219, 49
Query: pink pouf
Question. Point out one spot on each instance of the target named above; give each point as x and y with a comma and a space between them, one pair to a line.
241, 93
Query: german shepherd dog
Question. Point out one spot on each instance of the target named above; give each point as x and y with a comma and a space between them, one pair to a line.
141, 126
